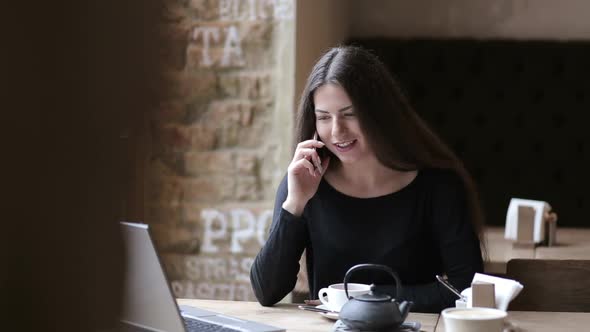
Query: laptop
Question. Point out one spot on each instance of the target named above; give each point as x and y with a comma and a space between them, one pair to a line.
149, 304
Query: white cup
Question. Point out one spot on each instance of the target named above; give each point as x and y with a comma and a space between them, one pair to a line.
475, 319
334, 297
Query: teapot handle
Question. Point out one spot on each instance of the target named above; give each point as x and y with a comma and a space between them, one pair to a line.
372, 267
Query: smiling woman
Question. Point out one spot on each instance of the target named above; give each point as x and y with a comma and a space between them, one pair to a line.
387, 192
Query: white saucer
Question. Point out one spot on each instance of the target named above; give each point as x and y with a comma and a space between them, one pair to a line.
329, 315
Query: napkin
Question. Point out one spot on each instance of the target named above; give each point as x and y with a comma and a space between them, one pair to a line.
506, 290
540, 208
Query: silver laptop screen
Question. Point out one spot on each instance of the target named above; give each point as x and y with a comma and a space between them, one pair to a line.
148, 299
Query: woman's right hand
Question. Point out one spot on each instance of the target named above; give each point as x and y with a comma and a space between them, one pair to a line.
304, 175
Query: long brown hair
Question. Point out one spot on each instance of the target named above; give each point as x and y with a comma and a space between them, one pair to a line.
400, 138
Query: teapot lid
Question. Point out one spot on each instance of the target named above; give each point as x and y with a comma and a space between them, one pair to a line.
373, 297
370, 297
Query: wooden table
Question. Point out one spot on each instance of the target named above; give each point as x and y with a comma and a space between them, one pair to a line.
500, 251
295, 320
533, 321
288, 316
572, 243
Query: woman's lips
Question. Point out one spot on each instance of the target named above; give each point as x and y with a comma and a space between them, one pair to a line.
345, 146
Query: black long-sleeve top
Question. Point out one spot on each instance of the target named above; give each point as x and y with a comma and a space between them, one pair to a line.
422, 230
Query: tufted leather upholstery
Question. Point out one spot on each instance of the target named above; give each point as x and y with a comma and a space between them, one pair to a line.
516, 113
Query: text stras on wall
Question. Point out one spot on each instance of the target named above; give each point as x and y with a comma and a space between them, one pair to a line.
231, 240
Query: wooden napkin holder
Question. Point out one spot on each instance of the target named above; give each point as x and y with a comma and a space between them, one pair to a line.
526, 226
483, 294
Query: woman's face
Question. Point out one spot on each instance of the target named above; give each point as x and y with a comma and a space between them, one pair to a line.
337, 124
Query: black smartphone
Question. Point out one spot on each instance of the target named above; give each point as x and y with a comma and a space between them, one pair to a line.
321, 151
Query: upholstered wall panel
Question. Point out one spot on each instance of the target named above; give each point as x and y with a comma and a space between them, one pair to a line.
516, 112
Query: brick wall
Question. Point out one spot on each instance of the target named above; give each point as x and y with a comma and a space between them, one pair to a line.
221, 143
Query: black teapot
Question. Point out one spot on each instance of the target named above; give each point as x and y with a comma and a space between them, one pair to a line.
372, 311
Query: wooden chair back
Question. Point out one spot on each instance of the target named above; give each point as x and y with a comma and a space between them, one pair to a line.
551, 285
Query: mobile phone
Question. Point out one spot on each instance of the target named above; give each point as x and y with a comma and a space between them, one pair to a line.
321, 151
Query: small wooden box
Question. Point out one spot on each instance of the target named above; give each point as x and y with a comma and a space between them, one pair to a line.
483, 294
525, 227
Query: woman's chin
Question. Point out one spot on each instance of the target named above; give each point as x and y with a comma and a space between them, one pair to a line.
347, 159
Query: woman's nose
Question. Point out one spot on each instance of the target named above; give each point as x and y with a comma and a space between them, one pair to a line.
338, 128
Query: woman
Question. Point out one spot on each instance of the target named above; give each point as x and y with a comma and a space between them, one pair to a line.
387, 191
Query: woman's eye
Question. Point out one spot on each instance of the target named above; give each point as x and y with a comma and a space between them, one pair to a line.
348, 115
323, 117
